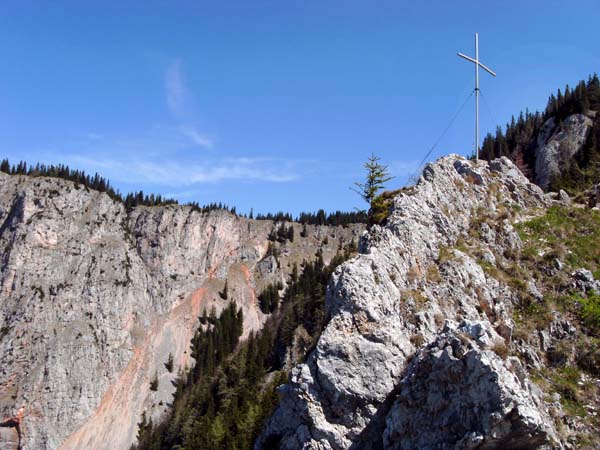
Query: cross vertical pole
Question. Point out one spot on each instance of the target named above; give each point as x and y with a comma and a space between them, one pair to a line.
491, 72
477, 95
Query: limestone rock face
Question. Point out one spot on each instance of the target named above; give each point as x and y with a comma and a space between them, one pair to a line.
466, 396
94, 299
393, 299
556, 146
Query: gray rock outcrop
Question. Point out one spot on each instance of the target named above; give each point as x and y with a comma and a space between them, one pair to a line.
592, 196
392, 300
466, 396
556, 146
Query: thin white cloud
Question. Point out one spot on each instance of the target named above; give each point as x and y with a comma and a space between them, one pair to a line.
196, 137
183, 195
98, 164
179, 102
175, 88
176, 174
94, 136
242, 171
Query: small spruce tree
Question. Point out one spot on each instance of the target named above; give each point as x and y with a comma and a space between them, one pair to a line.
169, 363
304, 232
377, 176
224, 293
154, 383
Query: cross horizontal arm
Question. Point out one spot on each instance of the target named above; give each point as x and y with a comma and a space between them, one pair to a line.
468, 58
490, 71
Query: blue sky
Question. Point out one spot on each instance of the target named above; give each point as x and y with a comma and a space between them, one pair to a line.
272, 105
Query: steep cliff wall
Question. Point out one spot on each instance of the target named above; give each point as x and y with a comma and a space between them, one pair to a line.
422, 349
94, 299
557, 145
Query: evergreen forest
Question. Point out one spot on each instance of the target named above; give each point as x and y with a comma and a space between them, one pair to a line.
222, 402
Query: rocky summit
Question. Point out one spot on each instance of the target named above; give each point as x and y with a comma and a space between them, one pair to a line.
425, 347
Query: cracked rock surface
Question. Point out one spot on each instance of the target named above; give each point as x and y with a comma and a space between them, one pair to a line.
466, 397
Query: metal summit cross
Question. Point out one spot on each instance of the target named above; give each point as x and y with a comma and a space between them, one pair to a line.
477, 65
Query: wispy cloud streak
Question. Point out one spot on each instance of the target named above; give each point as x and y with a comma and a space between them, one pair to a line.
179, 102
176, 174
175, 88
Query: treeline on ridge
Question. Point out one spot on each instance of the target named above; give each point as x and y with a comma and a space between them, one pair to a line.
131, 200
318, 218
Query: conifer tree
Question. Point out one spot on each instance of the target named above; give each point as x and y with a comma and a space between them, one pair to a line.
377, 176
204, 317
224, 293
212, 318
304, 231
169, 363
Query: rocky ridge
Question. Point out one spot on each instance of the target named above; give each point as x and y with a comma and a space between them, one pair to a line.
94, 299
416, 354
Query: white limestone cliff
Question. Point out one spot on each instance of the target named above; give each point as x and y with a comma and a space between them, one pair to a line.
94, 298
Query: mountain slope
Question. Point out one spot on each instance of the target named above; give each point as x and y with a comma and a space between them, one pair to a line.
94, 298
